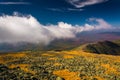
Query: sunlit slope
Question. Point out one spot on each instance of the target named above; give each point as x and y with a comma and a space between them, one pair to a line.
59, 65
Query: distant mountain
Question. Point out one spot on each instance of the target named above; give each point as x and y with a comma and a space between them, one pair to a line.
113, 33
105, 47
62, 44
7, 47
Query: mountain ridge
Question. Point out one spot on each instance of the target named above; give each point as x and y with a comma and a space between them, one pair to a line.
104, 47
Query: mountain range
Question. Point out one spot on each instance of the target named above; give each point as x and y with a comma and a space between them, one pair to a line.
62, 44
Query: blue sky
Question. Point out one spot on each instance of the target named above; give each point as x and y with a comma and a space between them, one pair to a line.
70, 11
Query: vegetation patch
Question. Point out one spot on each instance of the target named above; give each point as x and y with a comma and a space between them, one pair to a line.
51, 65
57, 64
67, 75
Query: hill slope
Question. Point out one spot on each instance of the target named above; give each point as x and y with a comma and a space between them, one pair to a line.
54, 65
105, 47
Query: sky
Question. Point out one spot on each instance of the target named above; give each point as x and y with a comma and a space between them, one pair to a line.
69, 11
42, 21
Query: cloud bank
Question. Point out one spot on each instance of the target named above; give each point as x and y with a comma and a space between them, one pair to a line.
15, 28
83, 3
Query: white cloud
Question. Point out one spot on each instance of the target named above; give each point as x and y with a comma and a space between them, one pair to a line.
64, 9
73, 9
14, 3
55, 9
102, 24
83, 3
16, 28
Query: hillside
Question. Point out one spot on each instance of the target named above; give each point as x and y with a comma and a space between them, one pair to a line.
59, 64
104, 47
55, 65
